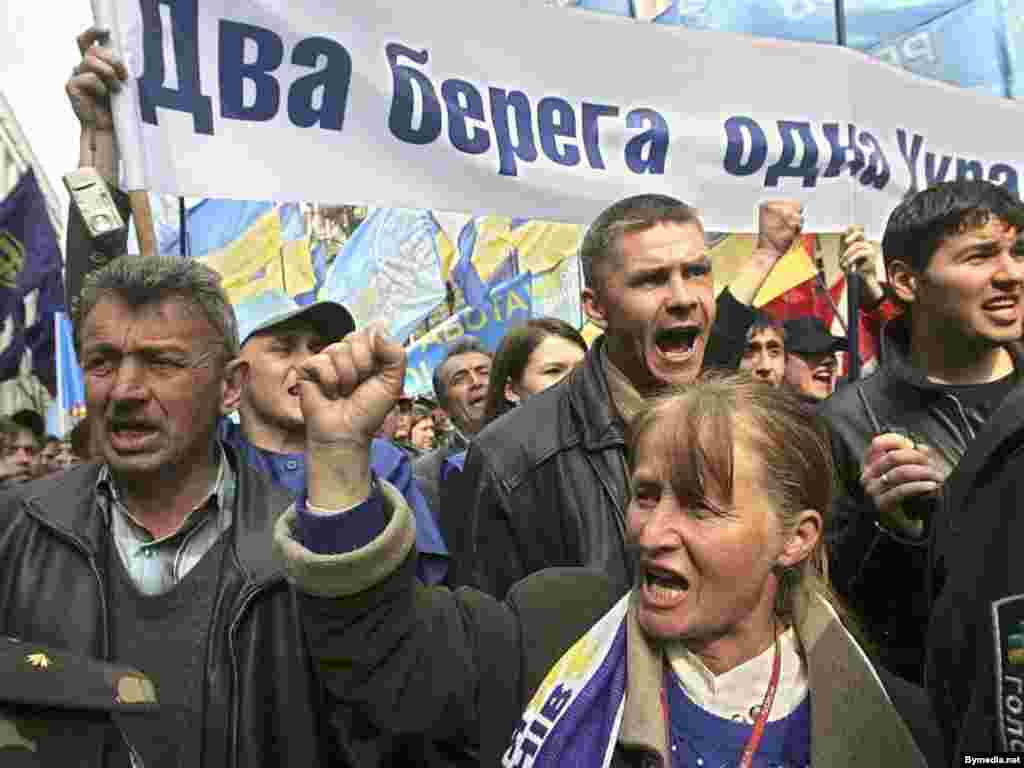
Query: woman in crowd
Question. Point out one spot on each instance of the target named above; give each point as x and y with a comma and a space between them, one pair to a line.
529, 360
729, 651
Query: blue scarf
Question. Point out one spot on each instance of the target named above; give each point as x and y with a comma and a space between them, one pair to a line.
574, 717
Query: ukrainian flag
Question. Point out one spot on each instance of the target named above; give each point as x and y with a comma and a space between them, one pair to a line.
255, 246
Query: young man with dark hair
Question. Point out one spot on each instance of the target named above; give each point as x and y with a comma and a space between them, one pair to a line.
764, 355
549, 480
955, 263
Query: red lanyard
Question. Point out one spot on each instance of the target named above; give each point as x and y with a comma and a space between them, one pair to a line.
762, 716
766, 707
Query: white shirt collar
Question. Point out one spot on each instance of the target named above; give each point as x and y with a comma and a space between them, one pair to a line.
734, 694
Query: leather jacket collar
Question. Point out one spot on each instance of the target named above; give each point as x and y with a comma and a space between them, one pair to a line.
896, 356
591, 402
68, 505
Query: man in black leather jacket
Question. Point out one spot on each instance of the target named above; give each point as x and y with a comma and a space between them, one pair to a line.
548, 481
953, 261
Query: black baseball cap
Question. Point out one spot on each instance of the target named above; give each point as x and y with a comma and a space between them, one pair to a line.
809, 336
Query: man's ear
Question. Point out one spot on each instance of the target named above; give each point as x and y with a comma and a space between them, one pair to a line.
236, 373
594, 308
802, 540
903, 280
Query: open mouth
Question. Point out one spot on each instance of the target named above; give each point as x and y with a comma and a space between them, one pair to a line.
131, 433
293, 390
994, 305
663, 586
824, 377
678, 341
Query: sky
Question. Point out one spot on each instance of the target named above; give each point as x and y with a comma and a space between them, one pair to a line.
36, 58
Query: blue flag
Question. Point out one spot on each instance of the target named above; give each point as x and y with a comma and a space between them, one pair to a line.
389, 271
70, 404
213, 224
31, 284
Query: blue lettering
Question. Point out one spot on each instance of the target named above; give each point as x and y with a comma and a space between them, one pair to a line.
403, 102
333, 80
556, 119
234, 71
592, 133
877, 173
736, 145
1005, 176
654, 140
969, 169
910, 155
465, 103
152, 92
807, 169
523, 147
556, 702
933, 174
838, 151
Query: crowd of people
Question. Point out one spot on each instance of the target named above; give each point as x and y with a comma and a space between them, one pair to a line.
28, 453
690, 543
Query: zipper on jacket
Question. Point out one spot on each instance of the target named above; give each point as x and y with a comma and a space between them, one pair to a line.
963, 415
90, 558
247, 600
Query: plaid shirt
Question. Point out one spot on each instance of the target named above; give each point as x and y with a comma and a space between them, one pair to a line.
157, 565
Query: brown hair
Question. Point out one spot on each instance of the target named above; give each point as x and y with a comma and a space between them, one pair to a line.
513, 356
706, 420
633, 214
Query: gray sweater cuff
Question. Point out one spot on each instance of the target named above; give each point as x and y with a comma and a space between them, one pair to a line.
352, 572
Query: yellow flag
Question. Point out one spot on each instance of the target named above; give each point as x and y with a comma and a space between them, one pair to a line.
244, 263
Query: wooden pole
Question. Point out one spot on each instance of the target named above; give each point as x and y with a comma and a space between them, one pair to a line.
143, 215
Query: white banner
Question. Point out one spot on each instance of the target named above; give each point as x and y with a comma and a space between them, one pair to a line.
494, 107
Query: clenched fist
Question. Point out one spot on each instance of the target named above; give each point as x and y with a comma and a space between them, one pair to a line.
346, 392
779, 224
897, 470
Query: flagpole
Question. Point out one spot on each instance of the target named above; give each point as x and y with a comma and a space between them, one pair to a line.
183, 248
143, 214
853, 281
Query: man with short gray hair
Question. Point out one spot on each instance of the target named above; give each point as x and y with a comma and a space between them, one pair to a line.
157, 555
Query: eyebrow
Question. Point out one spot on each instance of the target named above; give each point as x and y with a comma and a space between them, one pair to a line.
984, 248
645, 271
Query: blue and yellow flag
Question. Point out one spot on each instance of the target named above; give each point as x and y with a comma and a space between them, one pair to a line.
389, 271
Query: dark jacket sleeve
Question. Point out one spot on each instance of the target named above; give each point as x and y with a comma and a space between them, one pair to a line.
490, 559
729, 332
83, 255
851, 533
408, 659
